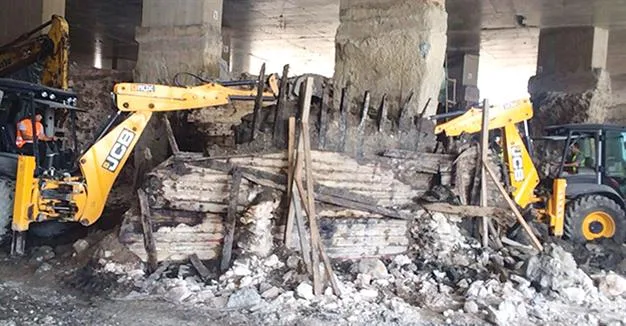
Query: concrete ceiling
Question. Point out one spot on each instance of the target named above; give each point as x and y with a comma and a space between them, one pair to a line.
301, 33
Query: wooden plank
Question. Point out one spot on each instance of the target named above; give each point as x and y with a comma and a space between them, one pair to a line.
361, 126
382, 114
170, 135
281, 114
231, 220
148, 237
323, 118
290, 169
313, 228
258, 104
484, 150
404, 118
513, 207
298, 198
343, 119
202, 270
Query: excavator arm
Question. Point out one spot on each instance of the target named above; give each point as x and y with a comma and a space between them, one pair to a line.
82, 198
521, 170
51, 48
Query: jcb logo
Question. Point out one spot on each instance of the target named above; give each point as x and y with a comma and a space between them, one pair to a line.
517, 163
118, 150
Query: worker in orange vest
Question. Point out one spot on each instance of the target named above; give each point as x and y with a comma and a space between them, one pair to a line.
24, 137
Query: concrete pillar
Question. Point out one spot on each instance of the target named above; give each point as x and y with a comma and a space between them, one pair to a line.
20, 16
179, 36
572, 84
392, 47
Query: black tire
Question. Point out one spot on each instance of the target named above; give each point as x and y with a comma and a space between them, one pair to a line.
7, 192
578, 209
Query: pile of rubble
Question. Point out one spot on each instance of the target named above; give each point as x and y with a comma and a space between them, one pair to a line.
445, 277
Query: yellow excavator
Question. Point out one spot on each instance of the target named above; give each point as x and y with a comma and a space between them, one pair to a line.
51, 49
583, 199
79, 194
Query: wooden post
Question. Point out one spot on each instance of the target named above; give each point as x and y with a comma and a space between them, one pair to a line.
361, 127
281, 116
231, 219
297, 176
290, 170
343, 119
148, 237
322, 251
513, 207
170, 135
382, 114
258, 104
323, 118
404, 114
305, 139
484, 151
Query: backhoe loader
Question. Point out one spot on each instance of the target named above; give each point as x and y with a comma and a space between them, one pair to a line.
77, 191
582, 204
51, 49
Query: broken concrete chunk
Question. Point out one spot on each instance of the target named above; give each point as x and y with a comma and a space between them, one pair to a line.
42, 253
373, 267
401, 260
44, 268
293, 262
244, 298
271, 293
470, 307
305, 291
368, 294
612, 285
80, 246
178, 294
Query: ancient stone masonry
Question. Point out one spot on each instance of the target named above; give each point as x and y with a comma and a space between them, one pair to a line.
394, 48
189, 198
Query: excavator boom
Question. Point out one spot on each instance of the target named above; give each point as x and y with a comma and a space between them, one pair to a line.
51, 48
522, 173
84, 196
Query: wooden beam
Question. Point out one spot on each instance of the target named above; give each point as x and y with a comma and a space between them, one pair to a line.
290, 170
361, 126
513, 207
148, 237
281, 114
343, 119
170, 135
202, 270
258, 104
313, 228
382, 114
231, 219
484, 151
323, 117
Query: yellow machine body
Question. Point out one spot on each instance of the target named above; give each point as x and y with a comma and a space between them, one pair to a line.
52, 47
82, 198
522, 173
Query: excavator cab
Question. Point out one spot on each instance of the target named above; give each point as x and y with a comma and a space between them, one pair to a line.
20, 100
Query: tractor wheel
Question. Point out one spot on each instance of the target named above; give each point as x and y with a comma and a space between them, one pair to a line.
593, 217
7, 192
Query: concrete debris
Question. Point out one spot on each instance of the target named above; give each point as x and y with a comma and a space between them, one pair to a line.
43, 253
305, 291
612, 285
445, 278
373, 267
244, 298
80, 246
